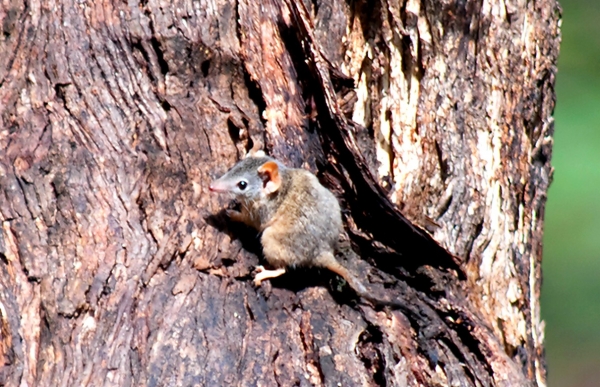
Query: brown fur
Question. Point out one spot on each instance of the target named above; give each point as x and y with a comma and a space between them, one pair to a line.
299, 218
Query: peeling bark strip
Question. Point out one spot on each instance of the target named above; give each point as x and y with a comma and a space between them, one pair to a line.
117, 268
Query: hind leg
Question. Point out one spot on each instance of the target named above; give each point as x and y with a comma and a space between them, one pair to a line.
263, 274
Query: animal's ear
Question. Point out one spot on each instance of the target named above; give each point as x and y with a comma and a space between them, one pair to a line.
269, 172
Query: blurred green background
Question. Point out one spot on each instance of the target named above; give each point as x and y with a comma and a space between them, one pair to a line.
571, 263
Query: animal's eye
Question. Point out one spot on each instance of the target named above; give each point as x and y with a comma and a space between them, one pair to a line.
242, 185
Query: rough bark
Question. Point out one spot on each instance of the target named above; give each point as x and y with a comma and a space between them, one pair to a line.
118, 268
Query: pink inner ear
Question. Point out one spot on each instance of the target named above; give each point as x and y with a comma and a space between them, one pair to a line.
271, 178
270, 187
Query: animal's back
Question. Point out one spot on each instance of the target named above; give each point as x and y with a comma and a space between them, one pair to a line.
307, 223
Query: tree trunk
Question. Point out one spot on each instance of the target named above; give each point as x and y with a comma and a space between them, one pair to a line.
118, 268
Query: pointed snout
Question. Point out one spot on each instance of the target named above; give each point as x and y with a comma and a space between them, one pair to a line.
218, 186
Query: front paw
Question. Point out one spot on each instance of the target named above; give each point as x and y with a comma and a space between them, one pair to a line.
234, 215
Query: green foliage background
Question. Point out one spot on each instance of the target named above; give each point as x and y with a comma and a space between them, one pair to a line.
571, 265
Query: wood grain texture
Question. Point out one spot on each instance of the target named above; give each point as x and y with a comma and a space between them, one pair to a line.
118, 268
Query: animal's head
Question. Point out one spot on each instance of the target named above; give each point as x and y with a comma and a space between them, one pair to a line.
255, 176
